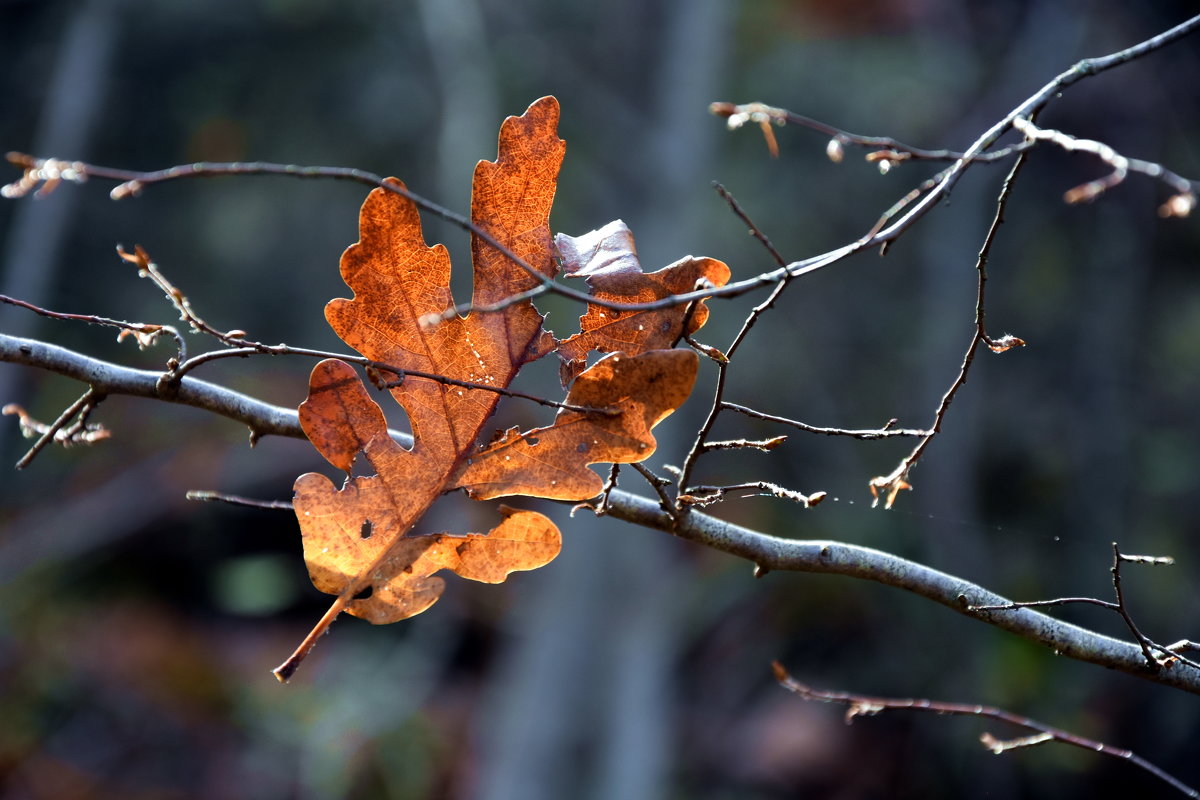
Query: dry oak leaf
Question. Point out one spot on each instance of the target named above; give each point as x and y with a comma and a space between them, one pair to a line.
607, 259
358, 540
397, 280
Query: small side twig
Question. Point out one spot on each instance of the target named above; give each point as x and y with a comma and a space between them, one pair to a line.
751, 227
1179, 205
47, 173
701, 496
700, 444
886, 432
600, 506
1123, 609
60, 431
1171, 653
145, 333
894, 150
765, 445
890, 485
658, 484
237, 500
866, 705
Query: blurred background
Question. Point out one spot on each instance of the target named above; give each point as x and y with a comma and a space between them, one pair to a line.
137, 630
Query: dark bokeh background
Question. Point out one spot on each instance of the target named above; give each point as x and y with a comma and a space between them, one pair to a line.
137, 630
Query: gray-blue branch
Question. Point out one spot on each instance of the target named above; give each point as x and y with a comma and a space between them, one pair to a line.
765, 551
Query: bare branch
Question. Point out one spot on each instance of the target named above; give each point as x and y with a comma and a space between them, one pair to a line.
700, 445
262, 418
886, 148
1181, 204
707, 495
866, 705
897, 480
145, 333
766, 552
237, 500
886, 432
62, 430
751, 227
1171, 653
49, 171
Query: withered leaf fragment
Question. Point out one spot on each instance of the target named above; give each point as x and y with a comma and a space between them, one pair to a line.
607, 259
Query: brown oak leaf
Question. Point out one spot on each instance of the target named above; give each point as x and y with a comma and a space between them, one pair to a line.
607, 259
359, 542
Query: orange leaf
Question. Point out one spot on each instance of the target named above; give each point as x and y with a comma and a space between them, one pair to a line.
359, 541
607, 259
356, 539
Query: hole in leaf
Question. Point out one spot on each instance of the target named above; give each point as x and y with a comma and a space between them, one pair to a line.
366, 530
361, 468
582, 447
532, 440
365, 593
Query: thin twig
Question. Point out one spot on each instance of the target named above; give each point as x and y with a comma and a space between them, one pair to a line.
867, 705
751, 227
133, 182
39, 169
145, 333
976, 152
886, 432
1171, 653
903, 203
1057, 601
765, 445
600, 507
1180, 204
897, 480
707, 495
657, 484
1123, 610
739, 115
700, 445
708, 351
237, 500
89, 398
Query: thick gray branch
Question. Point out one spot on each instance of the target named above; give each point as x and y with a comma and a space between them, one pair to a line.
808, 555
767, 552
263, 418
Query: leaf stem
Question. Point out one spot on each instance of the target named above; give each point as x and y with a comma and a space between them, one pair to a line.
287, 669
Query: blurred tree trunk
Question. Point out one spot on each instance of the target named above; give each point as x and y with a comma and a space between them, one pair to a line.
74, 101
582, 706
